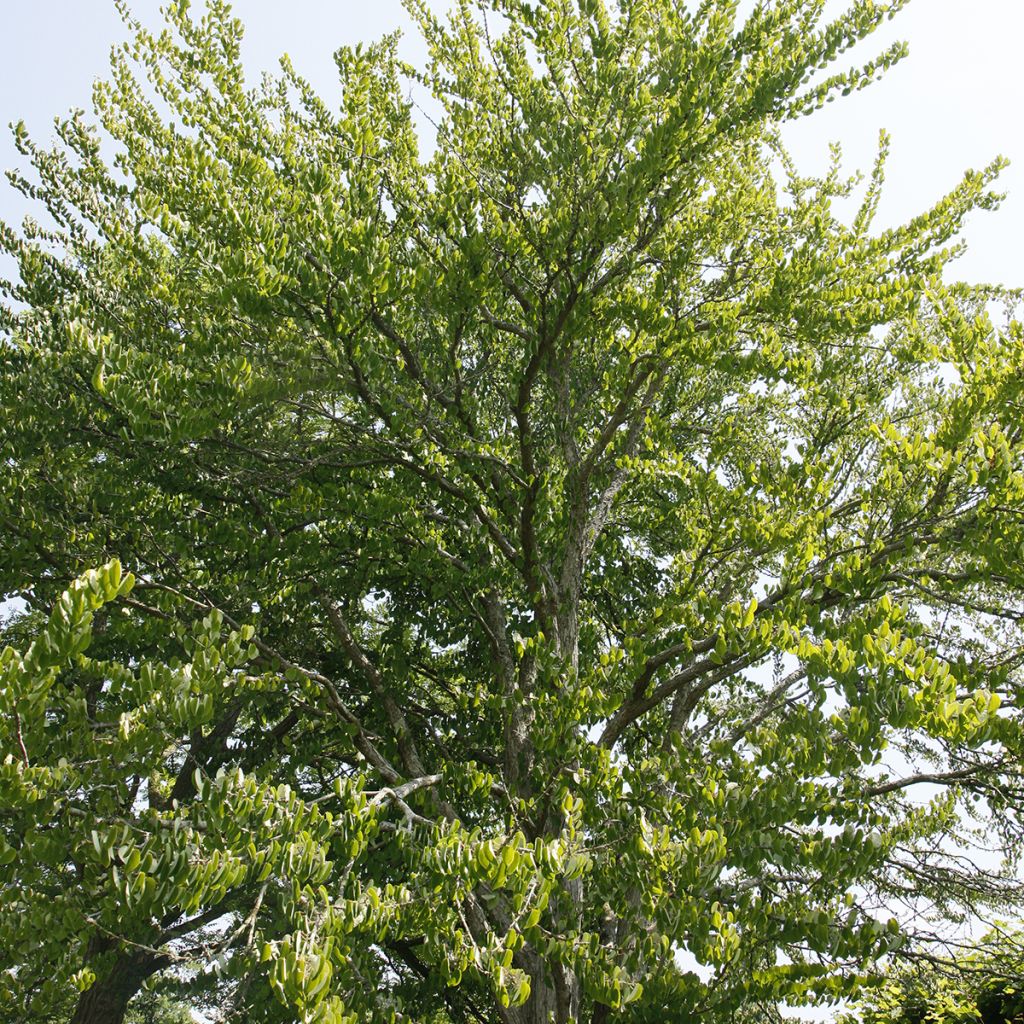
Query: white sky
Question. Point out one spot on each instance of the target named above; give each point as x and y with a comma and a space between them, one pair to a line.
955, 103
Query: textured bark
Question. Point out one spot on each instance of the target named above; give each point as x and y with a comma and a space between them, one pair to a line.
539, 1009
106, 1001
554, 996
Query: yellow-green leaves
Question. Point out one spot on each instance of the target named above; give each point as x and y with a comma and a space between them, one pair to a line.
563, 558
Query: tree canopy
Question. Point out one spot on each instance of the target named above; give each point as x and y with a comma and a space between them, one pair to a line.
564, 565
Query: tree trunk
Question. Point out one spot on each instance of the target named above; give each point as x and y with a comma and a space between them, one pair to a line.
553, 1000
554, 990
539, 1008
106, 1001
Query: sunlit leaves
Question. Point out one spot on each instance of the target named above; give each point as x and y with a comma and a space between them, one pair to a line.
560, 558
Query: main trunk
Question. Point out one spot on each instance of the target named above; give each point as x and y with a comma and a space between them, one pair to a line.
106, 1001
554, 989
541, 1007
554, 996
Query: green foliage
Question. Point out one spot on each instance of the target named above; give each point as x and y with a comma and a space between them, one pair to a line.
577, 574
983, 984
149, 1008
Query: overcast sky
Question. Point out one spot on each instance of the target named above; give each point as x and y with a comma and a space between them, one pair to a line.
955, 103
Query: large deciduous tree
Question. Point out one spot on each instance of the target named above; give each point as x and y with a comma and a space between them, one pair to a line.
577, 569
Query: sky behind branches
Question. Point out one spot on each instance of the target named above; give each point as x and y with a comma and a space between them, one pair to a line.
955, 103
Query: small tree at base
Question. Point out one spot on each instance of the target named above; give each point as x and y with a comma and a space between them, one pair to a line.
560, 562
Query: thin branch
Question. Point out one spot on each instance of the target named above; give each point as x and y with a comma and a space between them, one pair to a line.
939, 779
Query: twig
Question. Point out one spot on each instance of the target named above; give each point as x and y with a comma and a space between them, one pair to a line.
20, 738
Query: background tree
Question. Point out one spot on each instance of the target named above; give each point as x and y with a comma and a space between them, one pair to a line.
982, 984
563, 561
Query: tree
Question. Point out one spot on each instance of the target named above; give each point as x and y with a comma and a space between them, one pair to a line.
983, 984
576, 575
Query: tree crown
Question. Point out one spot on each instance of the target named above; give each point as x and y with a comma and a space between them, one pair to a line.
560, 559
